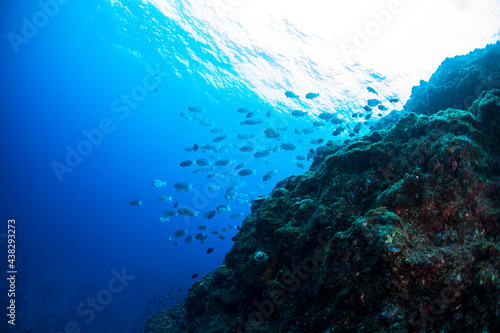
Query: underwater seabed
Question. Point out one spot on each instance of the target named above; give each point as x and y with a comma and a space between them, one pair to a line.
397, 231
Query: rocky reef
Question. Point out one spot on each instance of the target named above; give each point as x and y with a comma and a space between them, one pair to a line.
458, 82
397, 231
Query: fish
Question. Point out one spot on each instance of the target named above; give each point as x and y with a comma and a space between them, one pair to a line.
318, 123
288, 146
382, 107
254, 121
203, 162
187, 212
185, 115
164, 198
246, 172
135, 202
269, 175
175, 243
195, 109
210, 214
243, 110
317, 141
224, 229
239, 166
326, 116
250, 114
215, 232
183, 187
300, 157
176, 204
393, 100
239, 184
213, 188
216, 130
210, 250
367, 108
219, 138
268, 114
300, 165
169, 212
194, 276
312, 95
370, 89
260, 154
373, 102
223, 161
179, 233
222, 148
221, 236
271, 133
246, 148
357, 128
298, 113
307, 130
236, 215
311, 154
221, 209
188, 239
245, 136
195, 147
193, 172
208, 146
338, 130
158, 183
162, 219
202, 227
337, 121
206, 123
290, 94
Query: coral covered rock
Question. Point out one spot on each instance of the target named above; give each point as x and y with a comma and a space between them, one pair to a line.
397, 231
458, 82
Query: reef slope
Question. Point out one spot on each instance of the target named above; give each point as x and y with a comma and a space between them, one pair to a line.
395, 232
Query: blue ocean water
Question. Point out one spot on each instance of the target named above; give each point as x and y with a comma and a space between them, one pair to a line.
91, 99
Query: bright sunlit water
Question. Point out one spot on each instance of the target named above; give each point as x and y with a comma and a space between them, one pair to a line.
91, 99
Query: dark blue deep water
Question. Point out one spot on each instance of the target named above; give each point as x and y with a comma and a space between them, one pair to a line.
91, 96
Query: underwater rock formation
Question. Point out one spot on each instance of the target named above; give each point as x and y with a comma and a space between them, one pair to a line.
458, 82
397, 231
